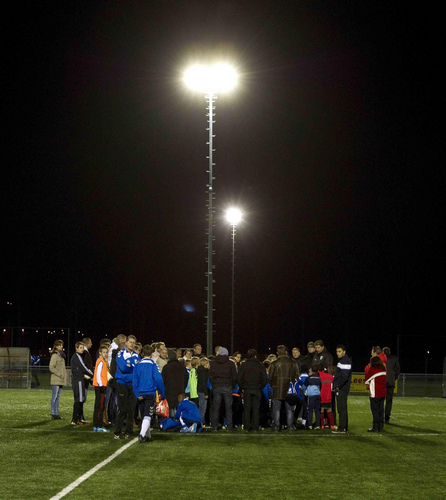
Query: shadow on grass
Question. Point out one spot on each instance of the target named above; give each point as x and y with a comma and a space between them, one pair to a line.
415, 430
32, 425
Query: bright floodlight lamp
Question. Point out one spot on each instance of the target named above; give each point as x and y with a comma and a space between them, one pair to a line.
233, 216
214, 79
211, 80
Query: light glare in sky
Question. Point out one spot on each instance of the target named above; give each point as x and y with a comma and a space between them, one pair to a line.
215, 79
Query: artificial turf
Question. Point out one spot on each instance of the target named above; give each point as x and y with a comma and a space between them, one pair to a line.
40, 457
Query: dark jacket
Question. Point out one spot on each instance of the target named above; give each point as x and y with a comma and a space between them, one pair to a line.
223, 372
175, 379
89, 364
324, 358
343, 374
300, 361
202, 380
306, 360
112, 369
393, 369
252, 375
88, 360
282, 371
79, 369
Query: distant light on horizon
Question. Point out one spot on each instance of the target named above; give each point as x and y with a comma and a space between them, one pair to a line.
214, 79
189, 308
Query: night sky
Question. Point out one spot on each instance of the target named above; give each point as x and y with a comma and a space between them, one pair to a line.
332, 144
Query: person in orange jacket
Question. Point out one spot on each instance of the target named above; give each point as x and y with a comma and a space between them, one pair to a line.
100, 381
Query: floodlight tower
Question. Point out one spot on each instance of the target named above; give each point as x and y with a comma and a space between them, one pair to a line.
210, 81
233, 216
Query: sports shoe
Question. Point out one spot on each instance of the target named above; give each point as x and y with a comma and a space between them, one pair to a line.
102, 429
184, 429
332, 427
118, 436
84, 421
128, 436
193, 428
322, 426
95, 429
339, 431
56, 417
316, 428
141, 439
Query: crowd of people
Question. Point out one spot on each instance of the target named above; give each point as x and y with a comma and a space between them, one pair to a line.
285, 391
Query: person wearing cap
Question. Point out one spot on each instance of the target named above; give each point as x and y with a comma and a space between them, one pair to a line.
308, 359
223, 378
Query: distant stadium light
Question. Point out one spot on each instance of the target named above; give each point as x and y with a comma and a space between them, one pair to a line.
216, 79
233, 216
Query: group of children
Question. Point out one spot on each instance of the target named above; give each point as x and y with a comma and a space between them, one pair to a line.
148, 388
314, 390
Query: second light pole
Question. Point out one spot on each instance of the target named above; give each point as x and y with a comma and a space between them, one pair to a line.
233, 216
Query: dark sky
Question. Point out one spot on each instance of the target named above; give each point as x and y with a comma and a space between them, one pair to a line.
332, 143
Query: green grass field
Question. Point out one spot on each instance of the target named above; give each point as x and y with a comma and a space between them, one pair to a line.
41, 457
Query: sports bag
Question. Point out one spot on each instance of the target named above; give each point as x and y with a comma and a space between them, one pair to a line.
162, 408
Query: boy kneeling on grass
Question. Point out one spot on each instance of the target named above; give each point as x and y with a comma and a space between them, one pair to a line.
188, 415
147, 380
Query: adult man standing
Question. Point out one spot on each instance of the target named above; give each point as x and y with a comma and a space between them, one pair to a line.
110, 396
341, 386
175, 379
297, 358
223, 378
393, 372
252, 379
197, 350
322, 356
163, 358
126, 360
282, 371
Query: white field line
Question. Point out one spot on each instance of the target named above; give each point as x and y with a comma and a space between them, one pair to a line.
88, 474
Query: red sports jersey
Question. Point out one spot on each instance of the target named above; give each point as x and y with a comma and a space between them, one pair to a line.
326, 385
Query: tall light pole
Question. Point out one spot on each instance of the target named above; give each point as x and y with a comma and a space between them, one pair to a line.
233, 216
210, 81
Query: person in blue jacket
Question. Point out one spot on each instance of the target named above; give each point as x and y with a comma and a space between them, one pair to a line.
313, 387
147, 380
126, 360
188, 414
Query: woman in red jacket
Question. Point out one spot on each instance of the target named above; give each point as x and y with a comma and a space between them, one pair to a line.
375, 378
